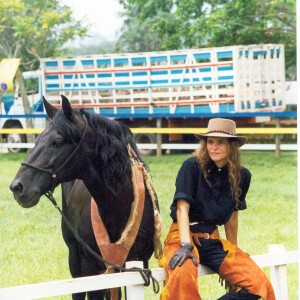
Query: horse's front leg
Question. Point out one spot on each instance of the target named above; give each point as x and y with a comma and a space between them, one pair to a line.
90, 267
75, 267
78, 296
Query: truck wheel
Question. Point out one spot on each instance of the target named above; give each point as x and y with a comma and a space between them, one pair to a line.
145, 138
16, 138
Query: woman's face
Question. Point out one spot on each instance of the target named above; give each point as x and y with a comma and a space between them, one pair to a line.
218, 150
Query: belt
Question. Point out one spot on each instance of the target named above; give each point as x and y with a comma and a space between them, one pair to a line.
201, 222
202, 235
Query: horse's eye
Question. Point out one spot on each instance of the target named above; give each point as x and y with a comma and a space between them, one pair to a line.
56, 144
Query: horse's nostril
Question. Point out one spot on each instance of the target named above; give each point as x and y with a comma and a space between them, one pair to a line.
17, 188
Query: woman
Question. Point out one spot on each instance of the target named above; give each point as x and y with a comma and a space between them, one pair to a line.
211, 188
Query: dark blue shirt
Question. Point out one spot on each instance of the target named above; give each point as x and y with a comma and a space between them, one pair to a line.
212, 204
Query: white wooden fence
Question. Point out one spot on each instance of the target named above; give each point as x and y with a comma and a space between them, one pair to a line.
276, 260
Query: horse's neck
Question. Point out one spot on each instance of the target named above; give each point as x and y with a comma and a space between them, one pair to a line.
114, 209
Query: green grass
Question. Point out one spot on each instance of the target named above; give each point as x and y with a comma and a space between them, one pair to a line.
32, 249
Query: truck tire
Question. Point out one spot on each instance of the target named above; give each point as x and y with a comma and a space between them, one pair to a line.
145, 138
16, 138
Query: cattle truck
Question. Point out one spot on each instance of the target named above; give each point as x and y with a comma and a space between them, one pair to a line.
175, 89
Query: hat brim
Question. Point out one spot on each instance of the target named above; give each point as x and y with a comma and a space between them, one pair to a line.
241, 139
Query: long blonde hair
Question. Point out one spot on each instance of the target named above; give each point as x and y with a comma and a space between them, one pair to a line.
234, 165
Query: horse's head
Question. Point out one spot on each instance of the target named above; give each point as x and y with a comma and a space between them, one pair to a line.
52, 160
75, 145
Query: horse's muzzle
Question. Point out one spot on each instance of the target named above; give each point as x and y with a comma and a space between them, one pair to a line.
17, 188
27, 200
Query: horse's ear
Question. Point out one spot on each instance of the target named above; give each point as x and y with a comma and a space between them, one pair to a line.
50, 110
66, 106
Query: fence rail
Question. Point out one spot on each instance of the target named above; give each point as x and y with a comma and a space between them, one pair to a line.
276, 260
264, 147
254, 130
277, 131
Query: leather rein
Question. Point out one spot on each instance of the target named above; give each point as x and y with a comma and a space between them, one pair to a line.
145, 273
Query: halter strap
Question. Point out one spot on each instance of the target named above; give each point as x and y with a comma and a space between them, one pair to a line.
38, 169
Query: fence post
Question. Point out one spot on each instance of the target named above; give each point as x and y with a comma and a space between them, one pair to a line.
277, 138
135, 291
278, 274
159, 138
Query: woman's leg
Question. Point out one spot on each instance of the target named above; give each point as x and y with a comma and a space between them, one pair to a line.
242, 272
181, 282
243, 294
213, 255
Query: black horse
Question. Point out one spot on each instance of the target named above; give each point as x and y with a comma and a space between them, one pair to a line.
93, 149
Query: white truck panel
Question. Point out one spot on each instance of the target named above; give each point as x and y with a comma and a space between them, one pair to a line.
231, 79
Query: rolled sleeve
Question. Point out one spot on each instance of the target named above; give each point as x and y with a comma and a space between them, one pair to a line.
245, 184
186, 181
184, 196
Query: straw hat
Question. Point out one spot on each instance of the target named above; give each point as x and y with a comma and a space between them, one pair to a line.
222, 128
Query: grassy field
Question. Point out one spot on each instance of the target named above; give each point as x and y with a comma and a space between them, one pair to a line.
32, 249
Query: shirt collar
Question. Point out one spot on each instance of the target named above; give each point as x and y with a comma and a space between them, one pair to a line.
212, 167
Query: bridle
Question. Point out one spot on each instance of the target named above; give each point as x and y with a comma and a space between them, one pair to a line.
53, 174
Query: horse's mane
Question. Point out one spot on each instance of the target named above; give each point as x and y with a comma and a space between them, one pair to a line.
111, 147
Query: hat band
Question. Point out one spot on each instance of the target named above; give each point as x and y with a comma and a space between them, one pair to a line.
221, 131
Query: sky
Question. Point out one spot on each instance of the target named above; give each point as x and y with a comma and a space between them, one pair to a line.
103, 15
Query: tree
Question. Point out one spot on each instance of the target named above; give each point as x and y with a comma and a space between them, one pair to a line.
252, 22
33, 29
174, 24
148, 26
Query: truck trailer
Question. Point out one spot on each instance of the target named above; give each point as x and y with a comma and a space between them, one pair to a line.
171, 89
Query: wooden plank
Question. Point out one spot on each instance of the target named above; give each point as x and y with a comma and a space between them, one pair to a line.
135, 291
267, 147
17, 145
63, 287
254, 130
203, 130
20, 130
69, 286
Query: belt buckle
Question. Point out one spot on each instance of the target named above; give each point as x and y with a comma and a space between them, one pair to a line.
194, 223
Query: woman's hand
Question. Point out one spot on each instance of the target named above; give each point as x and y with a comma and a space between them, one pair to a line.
182, 254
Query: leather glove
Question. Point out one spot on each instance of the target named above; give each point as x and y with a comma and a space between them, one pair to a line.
182, 254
